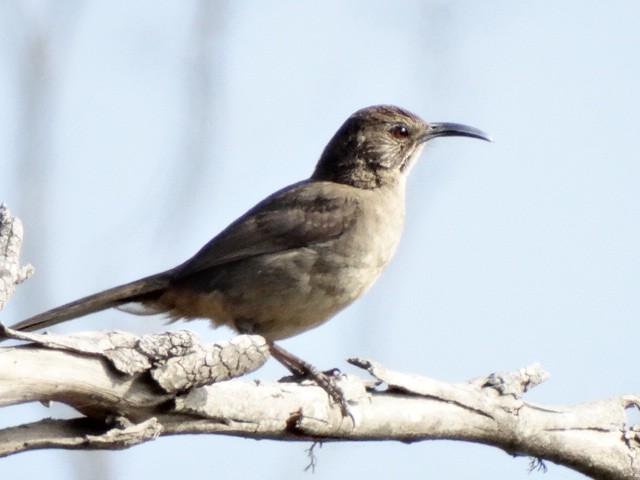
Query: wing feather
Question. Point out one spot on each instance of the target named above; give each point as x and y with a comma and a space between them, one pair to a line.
300, 215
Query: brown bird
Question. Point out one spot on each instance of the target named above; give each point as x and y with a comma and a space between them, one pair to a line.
302, 254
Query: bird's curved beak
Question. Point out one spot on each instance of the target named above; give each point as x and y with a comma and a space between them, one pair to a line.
447, 129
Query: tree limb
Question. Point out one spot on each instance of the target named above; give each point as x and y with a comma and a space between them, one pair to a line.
133, 389
11, 274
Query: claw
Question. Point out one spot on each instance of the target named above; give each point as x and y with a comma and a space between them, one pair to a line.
325, 380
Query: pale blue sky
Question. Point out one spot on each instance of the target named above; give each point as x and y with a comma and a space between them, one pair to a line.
520, 251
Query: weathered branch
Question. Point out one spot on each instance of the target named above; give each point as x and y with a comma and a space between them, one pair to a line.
11, 274
116, 373
160, 397
133, 389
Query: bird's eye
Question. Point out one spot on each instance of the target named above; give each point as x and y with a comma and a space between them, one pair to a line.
400, 132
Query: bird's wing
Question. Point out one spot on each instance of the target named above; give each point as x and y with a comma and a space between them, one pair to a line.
300, 215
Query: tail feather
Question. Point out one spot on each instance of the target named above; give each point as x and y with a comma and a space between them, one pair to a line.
114, 297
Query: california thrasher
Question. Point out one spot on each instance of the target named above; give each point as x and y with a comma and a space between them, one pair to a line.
302, 254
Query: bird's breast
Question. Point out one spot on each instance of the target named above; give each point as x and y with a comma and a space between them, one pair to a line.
362, 252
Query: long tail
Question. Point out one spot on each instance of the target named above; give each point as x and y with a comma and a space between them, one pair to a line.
139, 290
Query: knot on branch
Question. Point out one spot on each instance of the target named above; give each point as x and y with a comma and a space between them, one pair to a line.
515, 383
201, 365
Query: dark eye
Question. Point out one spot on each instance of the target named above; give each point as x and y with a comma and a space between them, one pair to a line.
400, 132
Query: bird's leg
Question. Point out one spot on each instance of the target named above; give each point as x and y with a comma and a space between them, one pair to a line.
303, 369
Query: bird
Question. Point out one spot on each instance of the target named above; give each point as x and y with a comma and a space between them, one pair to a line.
302, 254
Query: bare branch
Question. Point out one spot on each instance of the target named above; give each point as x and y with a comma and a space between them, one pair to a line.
590, 437
76, 434
11, 274
133, 389
107, 373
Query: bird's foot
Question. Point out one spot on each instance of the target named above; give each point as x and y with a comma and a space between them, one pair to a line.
302, 369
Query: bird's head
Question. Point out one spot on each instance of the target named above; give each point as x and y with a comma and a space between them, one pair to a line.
380, 144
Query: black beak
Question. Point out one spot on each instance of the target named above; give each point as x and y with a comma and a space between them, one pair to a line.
446, 129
